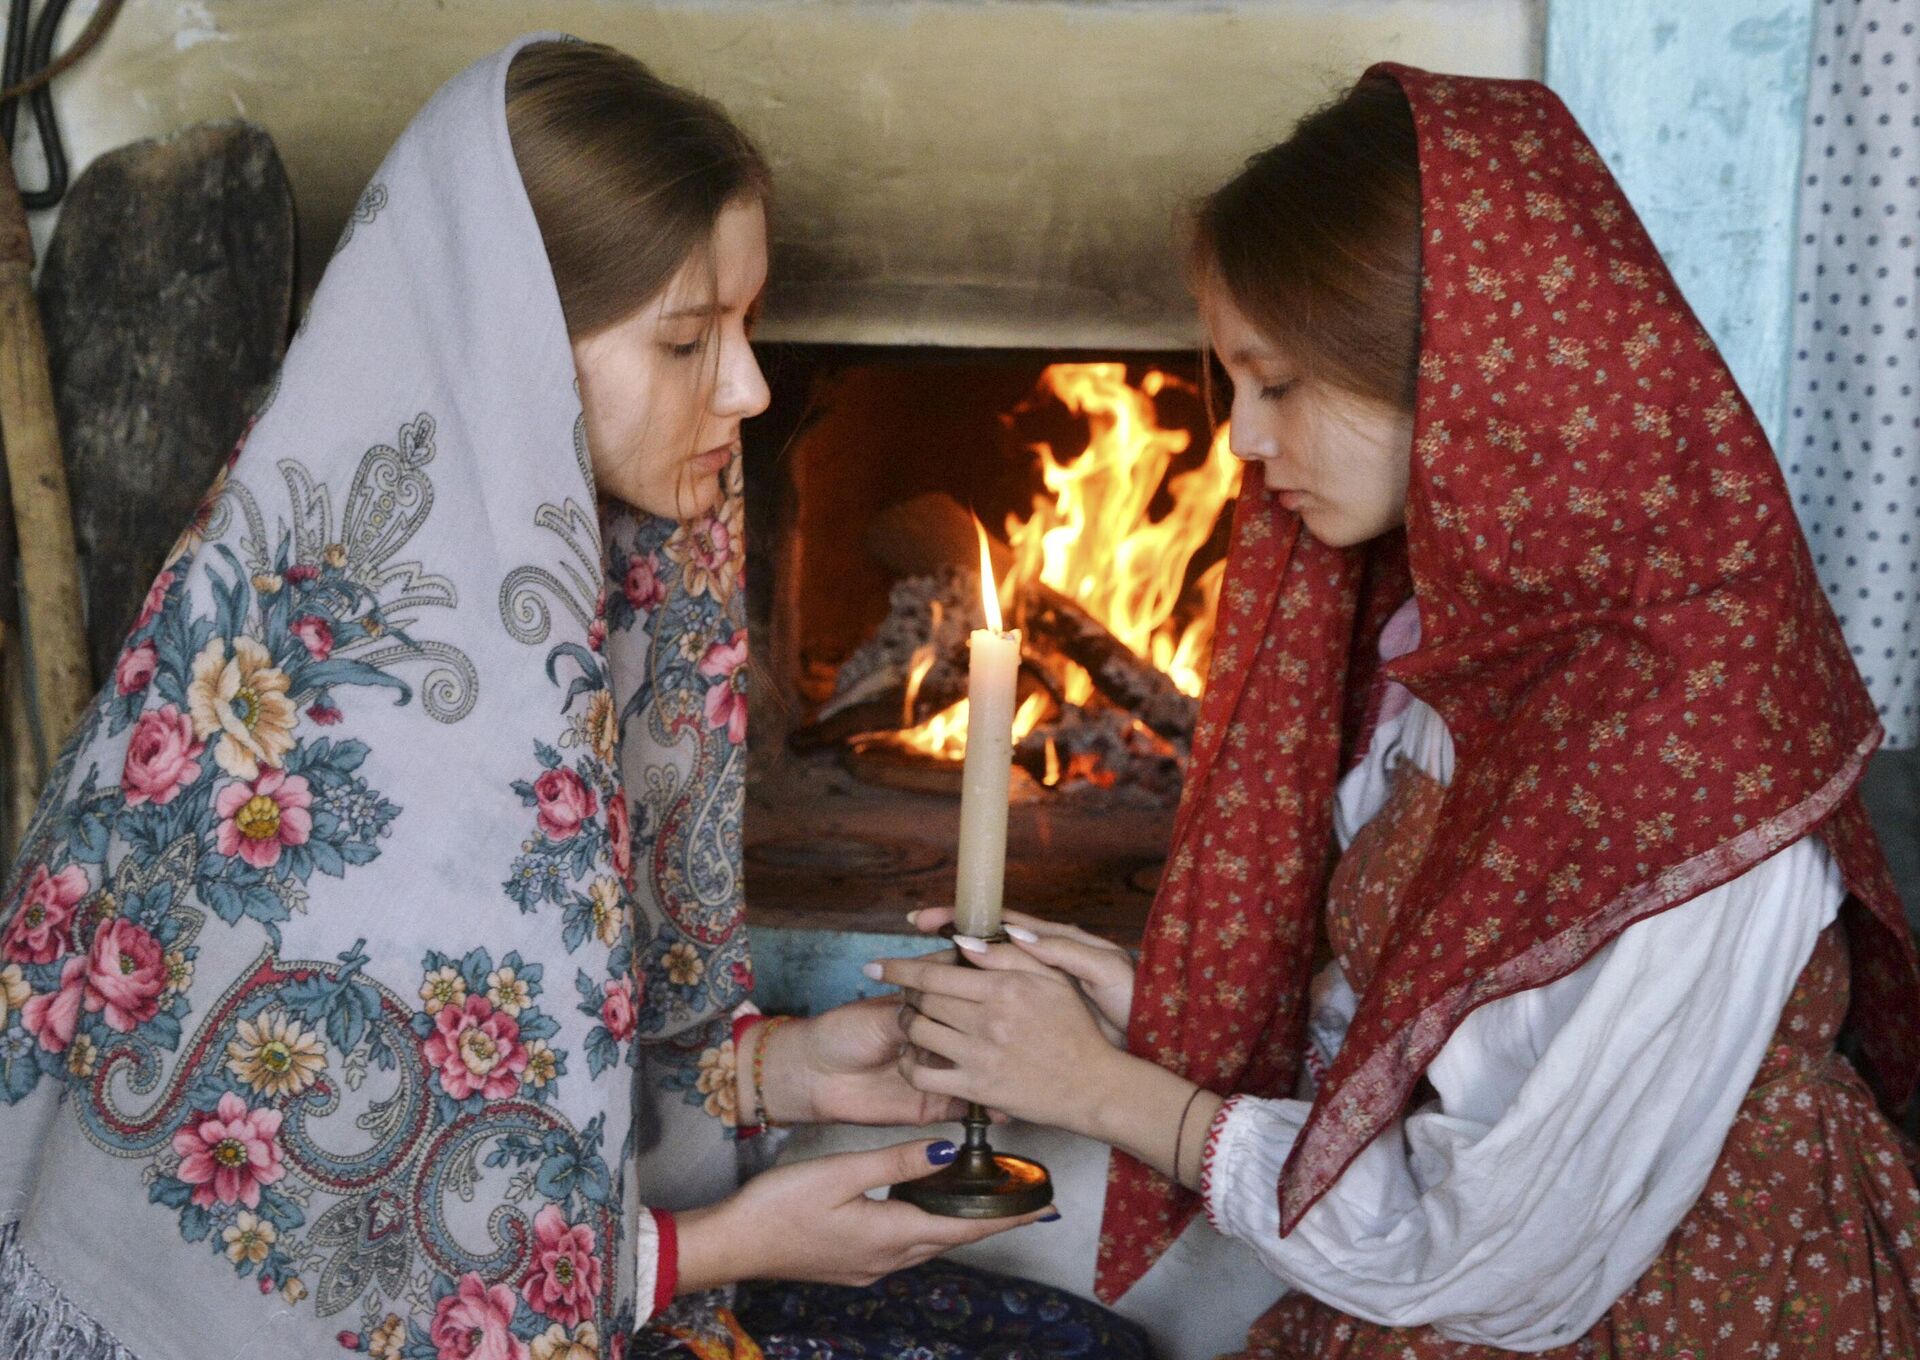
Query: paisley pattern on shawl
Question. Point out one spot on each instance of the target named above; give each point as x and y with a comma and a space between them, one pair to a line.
676, 615
321, 969
1647, 691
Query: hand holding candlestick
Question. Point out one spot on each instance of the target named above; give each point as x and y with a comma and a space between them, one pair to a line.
982, 1183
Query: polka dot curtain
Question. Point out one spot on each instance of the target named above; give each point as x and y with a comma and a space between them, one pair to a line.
1852, 440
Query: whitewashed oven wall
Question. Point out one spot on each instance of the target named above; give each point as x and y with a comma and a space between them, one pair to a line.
954, 172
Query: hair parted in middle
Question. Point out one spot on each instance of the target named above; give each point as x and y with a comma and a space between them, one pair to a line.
626, 174
1317, 243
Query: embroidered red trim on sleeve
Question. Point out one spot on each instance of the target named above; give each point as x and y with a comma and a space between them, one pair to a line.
1214, 1129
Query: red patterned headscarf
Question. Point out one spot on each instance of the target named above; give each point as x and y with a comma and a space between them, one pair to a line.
1646, 689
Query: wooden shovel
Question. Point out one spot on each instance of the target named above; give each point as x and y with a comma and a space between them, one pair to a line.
43, 517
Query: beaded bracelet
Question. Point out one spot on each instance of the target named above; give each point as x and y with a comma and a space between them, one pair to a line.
764, 1029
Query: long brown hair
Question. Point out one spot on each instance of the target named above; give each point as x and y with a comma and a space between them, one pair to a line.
1317, 241
626, 174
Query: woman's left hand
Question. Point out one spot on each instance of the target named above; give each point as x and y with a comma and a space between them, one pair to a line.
843, 1067
1018, 1035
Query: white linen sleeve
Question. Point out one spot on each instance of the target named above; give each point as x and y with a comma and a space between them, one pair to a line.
1576, 1125
1330, 1007
647, 1255
1362, 791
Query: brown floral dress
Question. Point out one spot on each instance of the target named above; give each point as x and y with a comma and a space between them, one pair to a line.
1806, 1240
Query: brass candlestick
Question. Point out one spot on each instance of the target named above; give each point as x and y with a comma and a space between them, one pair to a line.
980, 1183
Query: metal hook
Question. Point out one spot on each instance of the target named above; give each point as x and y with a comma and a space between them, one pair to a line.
29, 49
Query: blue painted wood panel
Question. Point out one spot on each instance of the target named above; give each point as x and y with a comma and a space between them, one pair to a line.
1697, 106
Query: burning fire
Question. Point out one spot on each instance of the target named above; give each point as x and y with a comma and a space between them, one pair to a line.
945, 733
1094, 541
1092, 537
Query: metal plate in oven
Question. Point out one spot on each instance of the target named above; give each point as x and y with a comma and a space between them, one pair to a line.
848, 856
1145, 878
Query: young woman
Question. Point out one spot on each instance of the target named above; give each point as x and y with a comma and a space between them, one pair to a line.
1587, 734
408, 829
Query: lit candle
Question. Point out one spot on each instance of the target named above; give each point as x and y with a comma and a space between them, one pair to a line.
993, 673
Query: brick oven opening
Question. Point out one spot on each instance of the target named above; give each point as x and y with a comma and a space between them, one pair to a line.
1103, 489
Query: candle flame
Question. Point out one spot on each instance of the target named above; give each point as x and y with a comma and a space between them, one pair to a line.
1053, 765
989, 588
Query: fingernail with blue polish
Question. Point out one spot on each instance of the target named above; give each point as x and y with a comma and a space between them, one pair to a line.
872, 970
942, 1153
972, 944
1050, 1217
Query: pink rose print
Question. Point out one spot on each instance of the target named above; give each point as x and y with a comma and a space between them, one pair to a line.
712, 545
471, 1323
643, 586
126, 972
597, 630
566, 1273
156, 596
315, 633
52, 1017
617, 1011
476, 1048
258, 818
325, 714
40, 932
726, 662
162, 758
230, 1154
135, 668
302, 573
565, 802
620, 837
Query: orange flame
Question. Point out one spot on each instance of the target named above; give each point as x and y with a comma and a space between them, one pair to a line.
945, 733
1027, 717
1096, 541
921, 662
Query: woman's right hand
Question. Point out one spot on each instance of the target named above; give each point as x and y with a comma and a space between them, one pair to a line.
1103, 970
813, 1221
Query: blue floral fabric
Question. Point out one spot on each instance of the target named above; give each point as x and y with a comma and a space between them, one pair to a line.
939, 1311
399, 835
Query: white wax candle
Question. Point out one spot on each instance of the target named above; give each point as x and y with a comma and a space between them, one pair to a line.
993, 673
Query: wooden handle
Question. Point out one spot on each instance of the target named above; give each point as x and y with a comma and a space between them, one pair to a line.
42, 515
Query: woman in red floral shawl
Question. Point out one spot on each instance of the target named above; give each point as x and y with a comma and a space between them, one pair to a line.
1516, 610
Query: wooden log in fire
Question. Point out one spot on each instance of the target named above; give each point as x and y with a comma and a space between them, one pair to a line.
885, 711
934, 531
1136, 685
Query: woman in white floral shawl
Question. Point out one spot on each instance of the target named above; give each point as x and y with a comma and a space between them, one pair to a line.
398, 844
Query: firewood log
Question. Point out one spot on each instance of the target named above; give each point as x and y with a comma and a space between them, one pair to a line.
920, 536
1136, 685
885, 712
934, 531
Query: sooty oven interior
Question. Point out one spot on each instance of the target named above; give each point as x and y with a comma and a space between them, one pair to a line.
1102, 490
